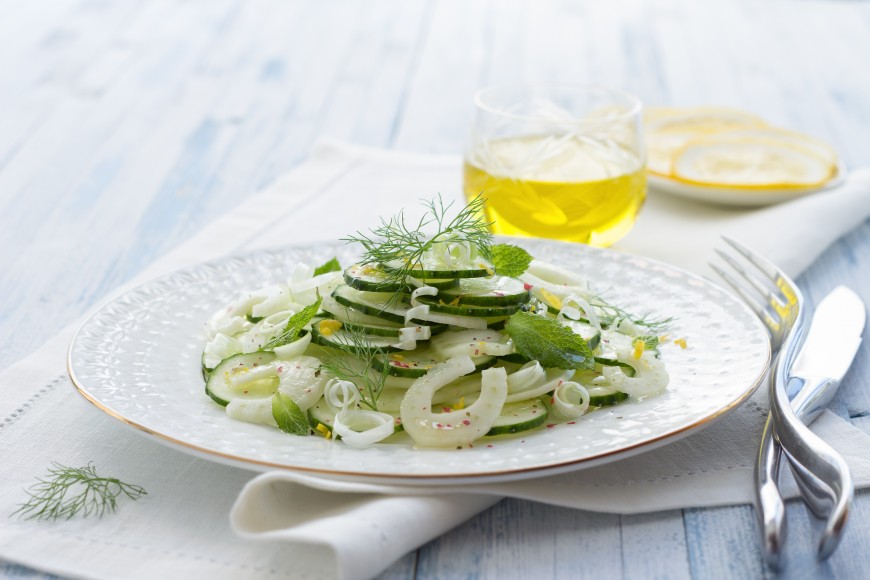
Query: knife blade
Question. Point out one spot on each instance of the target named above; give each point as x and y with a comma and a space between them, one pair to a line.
827, 353
833, 339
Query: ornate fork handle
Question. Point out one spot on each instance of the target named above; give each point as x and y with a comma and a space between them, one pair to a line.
809, 452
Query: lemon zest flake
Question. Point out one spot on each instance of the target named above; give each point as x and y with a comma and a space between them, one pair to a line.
329, 327
552, 299
639, 347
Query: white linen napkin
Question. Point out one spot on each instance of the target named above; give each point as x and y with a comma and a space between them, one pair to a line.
319, 528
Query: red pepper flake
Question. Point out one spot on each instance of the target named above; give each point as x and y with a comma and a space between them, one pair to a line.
279, 370
572, 422
489, 445
527, 286
550, 426
400, 364
439, 426
466, 422
498, 293
446, 409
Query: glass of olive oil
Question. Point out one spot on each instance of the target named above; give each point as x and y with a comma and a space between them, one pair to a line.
561, 162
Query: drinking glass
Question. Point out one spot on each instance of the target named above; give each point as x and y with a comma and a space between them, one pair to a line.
557, 161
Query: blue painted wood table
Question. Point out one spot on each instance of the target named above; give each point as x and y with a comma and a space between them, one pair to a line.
127, 126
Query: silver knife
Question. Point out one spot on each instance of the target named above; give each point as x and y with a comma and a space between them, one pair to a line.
831, 344
826, 355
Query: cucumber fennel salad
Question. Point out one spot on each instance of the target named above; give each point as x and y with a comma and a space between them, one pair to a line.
437, 334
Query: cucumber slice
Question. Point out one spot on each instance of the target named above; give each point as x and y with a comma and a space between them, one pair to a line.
495, 291
612, 362
377, 304
519, 416
342, 340
437, 304
205, 370
470, 342
590, 333
218, 386
515, 358
605, 397
427, 272
321, 414
372, 279
384, 329
346, 314
416, 363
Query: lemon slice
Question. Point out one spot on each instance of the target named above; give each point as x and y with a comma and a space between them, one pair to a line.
757, 159
782, 137
669, 130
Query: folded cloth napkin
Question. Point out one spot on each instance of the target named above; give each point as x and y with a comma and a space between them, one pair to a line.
307, 526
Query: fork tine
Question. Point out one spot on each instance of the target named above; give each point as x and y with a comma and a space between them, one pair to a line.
785, 285
766, 267
771, 323
763, 290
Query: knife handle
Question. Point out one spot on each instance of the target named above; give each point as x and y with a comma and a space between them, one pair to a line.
812, 397
804, 447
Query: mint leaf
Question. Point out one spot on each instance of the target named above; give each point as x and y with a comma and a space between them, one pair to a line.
510, 260
294, 326
548, 342
330, 266
288, 415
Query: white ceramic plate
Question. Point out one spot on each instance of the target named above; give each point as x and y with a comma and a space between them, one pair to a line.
138, 359
738, 197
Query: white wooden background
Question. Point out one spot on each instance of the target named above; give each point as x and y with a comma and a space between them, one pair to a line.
127, 126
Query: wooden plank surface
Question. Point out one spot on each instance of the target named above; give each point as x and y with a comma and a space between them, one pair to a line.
125, 127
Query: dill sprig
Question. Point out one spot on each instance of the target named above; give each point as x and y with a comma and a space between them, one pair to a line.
402, 247
69, 491
611, 314
358, 363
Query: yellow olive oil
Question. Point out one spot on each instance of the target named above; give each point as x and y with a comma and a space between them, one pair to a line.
564, 187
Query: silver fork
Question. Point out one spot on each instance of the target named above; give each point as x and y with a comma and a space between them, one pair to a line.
820, 472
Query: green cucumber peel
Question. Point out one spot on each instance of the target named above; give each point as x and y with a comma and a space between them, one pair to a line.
548, 342
510, 260
288, 415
